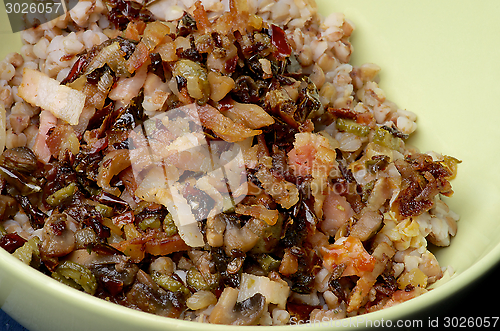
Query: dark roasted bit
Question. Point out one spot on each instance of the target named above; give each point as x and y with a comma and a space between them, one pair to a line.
118, 205
114, 277
122, 12
308, 103
11, 241
246, 90
186, 25
222, 261
395, 132
19, 158
89, 216
35, 216
422, 179
300, 221
8, 206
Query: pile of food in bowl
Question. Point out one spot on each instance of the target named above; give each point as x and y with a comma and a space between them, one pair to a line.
216, 161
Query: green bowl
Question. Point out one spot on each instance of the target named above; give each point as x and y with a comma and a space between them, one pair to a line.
438, 60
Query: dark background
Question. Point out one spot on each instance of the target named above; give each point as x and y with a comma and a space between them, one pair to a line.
477, 300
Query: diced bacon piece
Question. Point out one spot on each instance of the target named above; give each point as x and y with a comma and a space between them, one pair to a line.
155, 93
301, 160
337, 211
350, 252
128, 88
383, 254
62, 101
41, 150
312, 155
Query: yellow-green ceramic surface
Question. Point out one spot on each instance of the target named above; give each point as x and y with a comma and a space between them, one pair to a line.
439, 59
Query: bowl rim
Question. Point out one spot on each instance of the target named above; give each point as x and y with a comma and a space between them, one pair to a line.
24, 274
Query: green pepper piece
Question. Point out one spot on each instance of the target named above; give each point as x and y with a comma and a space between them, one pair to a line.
169, 283
26, 251
60, 195
169, 226
268, 263
385, 138
104, 210
76, 276
195, 279
352, 127
367, 190
151, 222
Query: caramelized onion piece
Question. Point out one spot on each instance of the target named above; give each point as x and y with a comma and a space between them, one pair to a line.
283, 192
63, 138
196, 78
250, 115
422, 180
221, 125
111, 55
112, 164
220, 85
260, 212
153, 35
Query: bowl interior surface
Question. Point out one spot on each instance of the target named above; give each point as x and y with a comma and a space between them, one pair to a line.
439, 61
